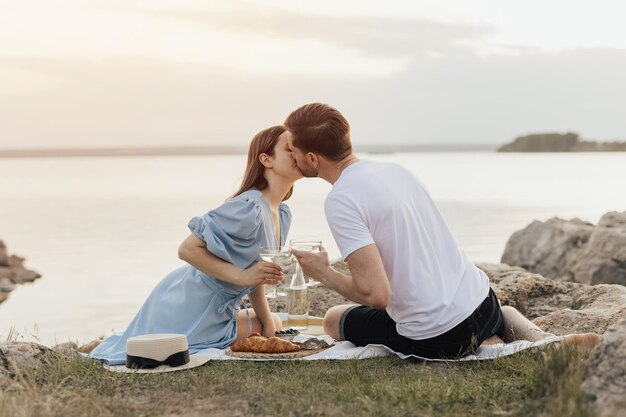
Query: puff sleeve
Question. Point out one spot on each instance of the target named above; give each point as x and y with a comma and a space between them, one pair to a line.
233, 231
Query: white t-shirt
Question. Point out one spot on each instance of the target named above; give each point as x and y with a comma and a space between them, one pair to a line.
434, 284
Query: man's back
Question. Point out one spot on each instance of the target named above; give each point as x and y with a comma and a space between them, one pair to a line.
434, 285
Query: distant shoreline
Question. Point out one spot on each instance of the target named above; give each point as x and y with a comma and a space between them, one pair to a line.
216, 150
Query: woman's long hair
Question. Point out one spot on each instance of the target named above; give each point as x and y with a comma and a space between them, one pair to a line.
254, 177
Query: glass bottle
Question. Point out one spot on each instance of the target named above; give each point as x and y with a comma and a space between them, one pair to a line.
298, 300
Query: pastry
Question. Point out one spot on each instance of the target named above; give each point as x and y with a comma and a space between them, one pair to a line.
260, 344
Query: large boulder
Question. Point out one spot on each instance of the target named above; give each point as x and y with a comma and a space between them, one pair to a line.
605, 379
557, 307
547, 248
572, 250
603, 258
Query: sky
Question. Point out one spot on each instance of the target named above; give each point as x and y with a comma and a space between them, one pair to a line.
110, 73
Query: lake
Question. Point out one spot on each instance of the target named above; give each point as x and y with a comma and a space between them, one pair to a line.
104, 230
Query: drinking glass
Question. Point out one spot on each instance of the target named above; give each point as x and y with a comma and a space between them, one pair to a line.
276, 256
308, 244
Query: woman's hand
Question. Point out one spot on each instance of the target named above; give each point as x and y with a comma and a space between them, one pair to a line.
269, 331
261, 273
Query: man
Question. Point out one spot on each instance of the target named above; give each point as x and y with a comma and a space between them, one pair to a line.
417, 291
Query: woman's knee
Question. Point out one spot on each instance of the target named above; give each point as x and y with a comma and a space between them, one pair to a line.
242, 323
278, 323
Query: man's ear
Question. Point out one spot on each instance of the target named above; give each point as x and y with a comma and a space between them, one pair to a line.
265, 160
314, 159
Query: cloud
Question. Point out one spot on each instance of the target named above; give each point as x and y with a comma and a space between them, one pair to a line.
445, 92
368, 35
469, 99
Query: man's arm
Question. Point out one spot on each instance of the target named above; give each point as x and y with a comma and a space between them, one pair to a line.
368, 284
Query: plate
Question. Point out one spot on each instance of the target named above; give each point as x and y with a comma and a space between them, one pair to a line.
288, 355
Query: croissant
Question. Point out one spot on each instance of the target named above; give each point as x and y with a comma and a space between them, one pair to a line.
260, 344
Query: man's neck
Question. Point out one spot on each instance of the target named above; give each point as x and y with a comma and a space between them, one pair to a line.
333, 170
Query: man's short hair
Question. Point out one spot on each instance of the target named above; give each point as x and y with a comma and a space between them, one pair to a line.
321, 129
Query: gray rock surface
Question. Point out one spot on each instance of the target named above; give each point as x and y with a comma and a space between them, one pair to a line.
572, 250
21, 356
558, 307
12, 271
6, 285
603, 258
605, 379
67, 349
4, 257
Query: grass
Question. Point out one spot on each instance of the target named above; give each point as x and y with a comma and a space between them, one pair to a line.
527, 384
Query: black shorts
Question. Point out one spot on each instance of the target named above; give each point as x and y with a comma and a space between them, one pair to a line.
364, 325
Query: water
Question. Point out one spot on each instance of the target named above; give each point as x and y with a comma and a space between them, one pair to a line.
104, 231
298, 307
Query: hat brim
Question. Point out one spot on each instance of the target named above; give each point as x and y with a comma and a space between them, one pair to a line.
194, 361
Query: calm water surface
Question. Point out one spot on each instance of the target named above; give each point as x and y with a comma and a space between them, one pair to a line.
104, 231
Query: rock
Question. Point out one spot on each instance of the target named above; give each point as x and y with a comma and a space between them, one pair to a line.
557, 307
24, 275
341, 266
572, 250
6, 285
547, 248
613, 219
20, 356
605, 378
603, 258
6, 272
4, 257
67, 349
12, 271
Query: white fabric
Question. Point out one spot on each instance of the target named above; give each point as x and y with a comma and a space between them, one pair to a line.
346, 350
434, 284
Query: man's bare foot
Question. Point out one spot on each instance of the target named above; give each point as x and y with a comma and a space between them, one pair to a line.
89, 346
584, 342
493, 340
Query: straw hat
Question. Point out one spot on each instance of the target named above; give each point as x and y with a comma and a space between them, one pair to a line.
150, 353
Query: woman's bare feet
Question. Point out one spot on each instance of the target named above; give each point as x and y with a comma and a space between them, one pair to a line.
583, 342
89, 346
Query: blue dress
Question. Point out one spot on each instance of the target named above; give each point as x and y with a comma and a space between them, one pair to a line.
202, 307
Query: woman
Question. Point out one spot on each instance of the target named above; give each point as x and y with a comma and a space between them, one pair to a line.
202, 299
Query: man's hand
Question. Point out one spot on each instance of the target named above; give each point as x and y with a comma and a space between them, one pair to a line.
367, 283
314, 265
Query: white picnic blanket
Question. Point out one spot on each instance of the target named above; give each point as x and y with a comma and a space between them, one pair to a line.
347, 350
